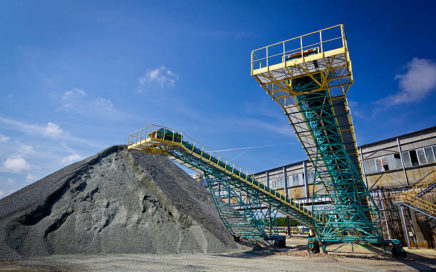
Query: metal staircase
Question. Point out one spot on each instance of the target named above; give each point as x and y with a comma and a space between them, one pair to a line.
412, 198
424, 186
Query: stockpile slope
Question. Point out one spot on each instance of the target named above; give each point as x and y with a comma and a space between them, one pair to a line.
116, 201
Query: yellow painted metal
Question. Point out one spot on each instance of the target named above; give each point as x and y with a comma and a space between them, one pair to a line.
332, 52
146, 140
411, 195
426, 182
329, 50
417, 202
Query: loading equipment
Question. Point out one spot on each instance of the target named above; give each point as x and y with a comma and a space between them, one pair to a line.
244, 204
309, 76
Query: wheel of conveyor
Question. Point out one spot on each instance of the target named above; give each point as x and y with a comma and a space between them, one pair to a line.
398, 251
313, 247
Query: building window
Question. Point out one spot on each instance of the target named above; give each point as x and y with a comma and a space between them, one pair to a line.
406, 158
369, 166
278, 183
434, 150
429, 154
397, 160
310, 177
413, 158
421, 156
379, 164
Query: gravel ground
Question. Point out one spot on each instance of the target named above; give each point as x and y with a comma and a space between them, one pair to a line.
234, 261
114, 202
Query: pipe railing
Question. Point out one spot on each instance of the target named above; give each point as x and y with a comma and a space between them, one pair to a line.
263, 57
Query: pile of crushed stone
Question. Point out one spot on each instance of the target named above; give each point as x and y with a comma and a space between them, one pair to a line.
116, 201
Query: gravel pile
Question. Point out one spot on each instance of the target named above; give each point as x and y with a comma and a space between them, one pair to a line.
116, 201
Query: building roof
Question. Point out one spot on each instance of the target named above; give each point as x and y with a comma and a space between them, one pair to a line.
407, 135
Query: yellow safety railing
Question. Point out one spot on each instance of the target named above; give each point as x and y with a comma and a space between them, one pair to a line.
145, 135
416, 202
420, 186
149, 139
322, 40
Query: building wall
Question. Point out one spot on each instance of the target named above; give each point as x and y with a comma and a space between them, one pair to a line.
382, 165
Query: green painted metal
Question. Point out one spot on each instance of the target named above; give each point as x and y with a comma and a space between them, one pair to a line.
247, 207
242, 209
352, 216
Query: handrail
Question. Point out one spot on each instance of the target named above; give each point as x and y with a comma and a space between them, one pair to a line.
423, 184
416, 202
179, 138
307, 34
265, 57
148, 130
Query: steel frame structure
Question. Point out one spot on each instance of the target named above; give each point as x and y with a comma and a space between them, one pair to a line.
248, 208
310, 82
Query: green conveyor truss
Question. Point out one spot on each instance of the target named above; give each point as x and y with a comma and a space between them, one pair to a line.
246, 206
349, 213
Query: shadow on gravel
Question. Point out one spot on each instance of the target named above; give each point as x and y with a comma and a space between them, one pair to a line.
262, 252
415, 261
419, 262
249, 254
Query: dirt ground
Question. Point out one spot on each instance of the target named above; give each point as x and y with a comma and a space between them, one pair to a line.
293, 258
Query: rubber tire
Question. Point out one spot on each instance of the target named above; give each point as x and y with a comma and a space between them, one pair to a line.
280, 243
398, 252
313, 250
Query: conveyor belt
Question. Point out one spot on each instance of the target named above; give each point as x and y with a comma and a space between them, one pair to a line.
180, 148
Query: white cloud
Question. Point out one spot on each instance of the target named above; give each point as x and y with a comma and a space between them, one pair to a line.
25, 149
162, 76
15, 165
3, 139
53, 130
71, 98
50, 130
417, 83
71, 158
76, 101
30, 178
8, 186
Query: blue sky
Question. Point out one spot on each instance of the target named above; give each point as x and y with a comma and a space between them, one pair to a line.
79, 76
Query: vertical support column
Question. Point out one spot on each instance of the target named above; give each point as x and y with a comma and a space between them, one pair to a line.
267, 178
269, 206
402, 162
382, 204
306, 180
412, 228
403, 220
362, 165
229, 196
286, 194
